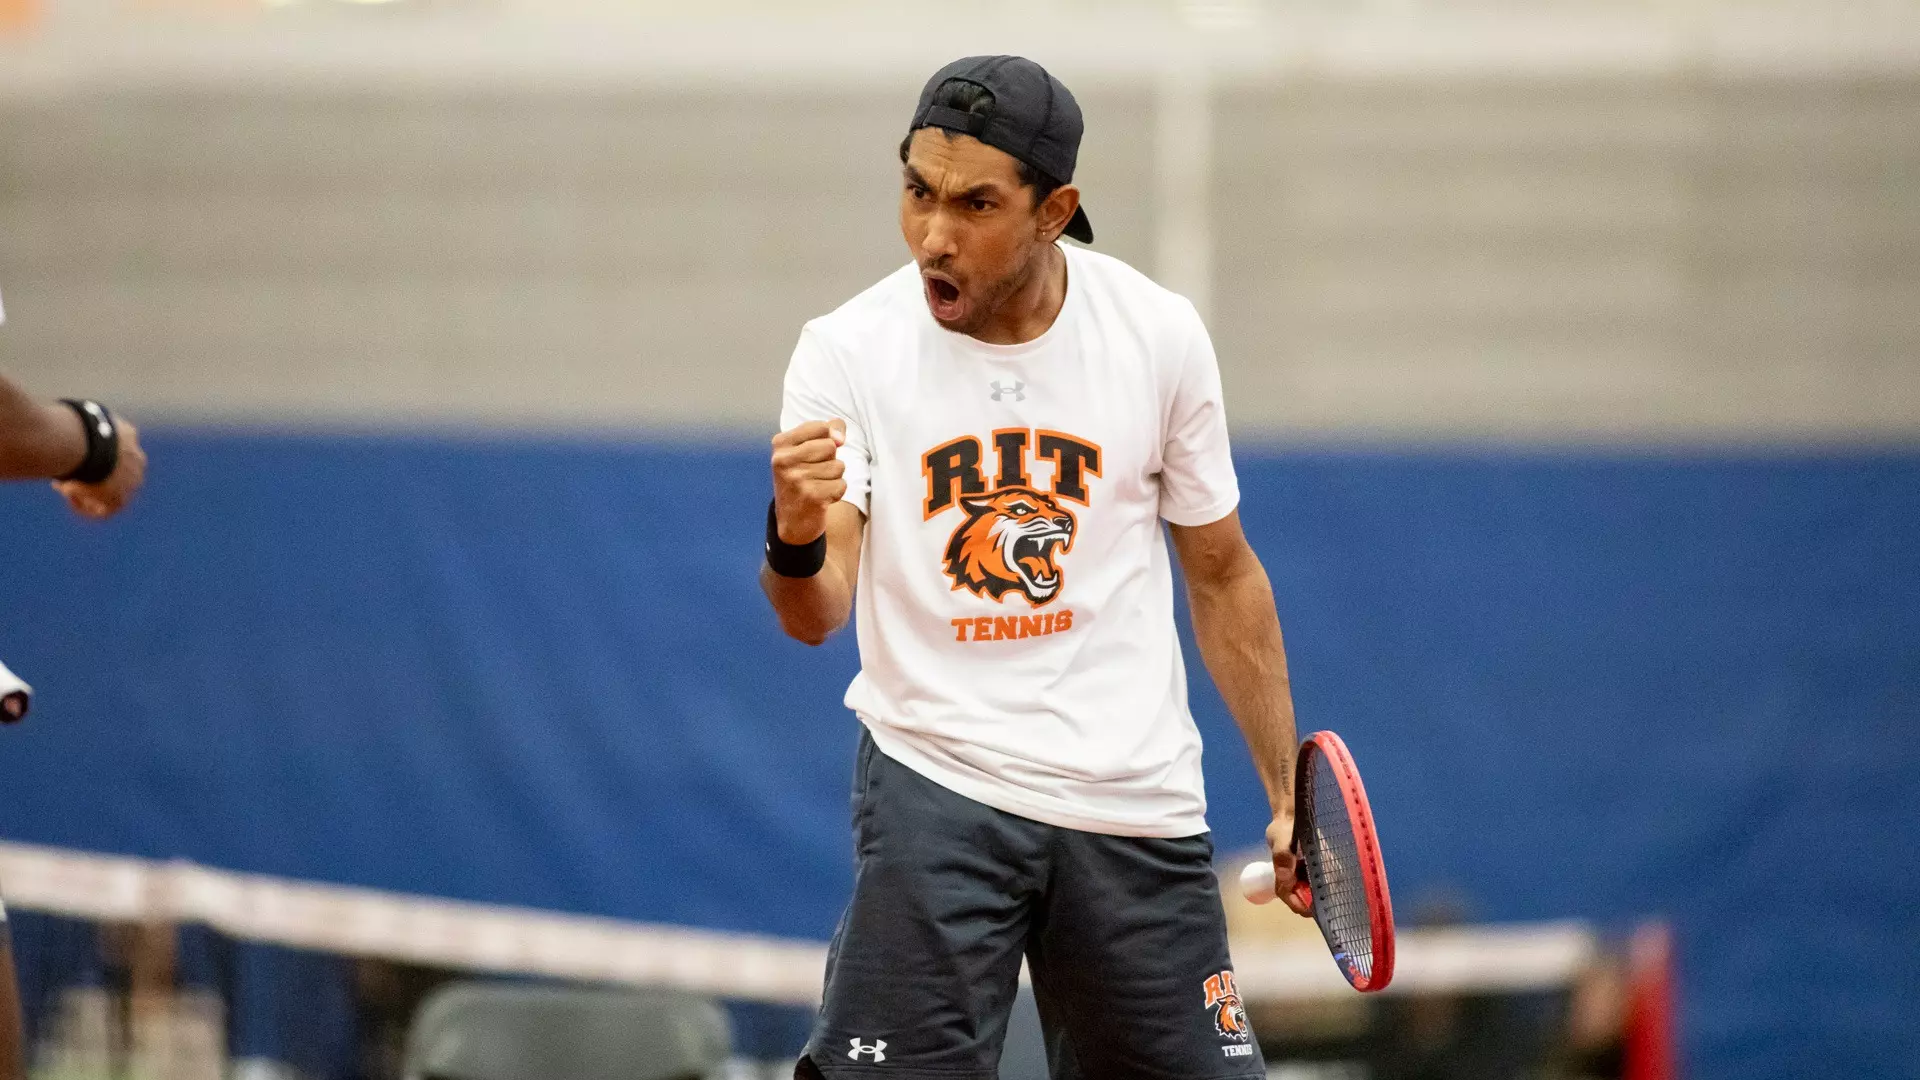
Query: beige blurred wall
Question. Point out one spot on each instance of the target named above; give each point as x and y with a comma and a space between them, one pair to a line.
1691, 255
1674, 258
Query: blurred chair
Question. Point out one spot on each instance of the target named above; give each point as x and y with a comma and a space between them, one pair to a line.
506, 1031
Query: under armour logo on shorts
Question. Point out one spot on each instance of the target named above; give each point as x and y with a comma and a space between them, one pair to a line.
878, 1051
1018, 390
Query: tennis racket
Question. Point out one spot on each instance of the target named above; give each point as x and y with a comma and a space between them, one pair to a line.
1340, 870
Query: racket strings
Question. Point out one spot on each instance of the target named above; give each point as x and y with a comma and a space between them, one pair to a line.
1332, 856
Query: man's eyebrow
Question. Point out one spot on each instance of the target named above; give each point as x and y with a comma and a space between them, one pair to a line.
988, 190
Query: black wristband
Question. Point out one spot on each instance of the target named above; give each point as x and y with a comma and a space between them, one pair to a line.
103, 442
793, 560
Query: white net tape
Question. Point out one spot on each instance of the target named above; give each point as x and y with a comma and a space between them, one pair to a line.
507, 940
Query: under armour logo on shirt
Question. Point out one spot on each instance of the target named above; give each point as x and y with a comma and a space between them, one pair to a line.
1018, 390
878, 1051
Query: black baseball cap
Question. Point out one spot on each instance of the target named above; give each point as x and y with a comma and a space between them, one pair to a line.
1034, 118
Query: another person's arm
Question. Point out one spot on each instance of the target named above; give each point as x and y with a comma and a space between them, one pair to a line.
38, 441
42, 441
1238, 632
808, 485
13, 1040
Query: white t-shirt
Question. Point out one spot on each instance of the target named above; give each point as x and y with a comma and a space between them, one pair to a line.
1015, 602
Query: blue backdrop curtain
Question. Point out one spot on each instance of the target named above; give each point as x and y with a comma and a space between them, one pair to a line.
541, 673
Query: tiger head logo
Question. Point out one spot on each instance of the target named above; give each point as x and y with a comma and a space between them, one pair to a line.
1229, 1016
1009, 543
1230, 1020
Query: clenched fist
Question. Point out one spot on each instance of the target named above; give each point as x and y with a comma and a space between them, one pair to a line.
807, 478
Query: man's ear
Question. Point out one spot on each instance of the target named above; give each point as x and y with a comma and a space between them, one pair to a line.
1055, 211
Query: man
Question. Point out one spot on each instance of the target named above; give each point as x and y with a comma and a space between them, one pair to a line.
95, 462
984, 444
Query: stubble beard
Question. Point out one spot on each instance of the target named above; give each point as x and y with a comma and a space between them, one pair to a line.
996, 297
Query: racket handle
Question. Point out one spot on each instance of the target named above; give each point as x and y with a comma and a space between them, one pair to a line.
1256, 882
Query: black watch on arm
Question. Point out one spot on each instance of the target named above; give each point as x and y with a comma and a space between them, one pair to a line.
793, 560
103, 442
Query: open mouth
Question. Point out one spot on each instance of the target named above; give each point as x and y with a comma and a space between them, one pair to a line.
943, 297
1033, 557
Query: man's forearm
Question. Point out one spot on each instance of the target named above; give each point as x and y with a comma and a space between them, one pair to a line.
810, 608
37, 441
1239, 637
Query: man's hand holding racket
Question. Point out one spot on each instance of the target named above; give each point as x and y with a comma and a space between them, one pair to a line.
1333, 870
1286, 865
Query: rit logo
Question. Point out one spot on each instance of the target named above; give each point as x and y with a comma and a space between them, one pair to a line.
877, 1050
953, 468
1219, 988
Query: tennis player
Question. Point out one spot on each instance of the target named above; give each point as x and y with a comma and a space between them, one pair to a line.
978, 453
95, 462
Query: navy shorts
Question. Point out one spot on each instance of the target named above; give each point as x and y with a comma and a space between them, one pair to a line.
1125, 938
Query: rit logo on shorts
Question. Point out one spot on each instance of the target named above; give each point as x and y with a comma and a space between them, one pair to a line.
1229, 1019
1012, 531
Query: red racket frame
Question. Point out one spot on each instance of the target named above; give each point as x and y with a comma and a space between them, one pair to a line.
1373, 870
